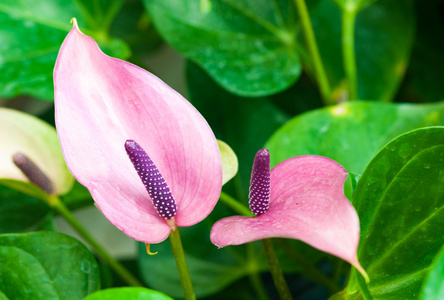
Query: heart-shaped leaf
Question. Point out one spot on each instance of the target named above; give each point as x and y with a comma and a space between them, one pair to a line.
351, 133
46, 265
248, 48
400, 204
31, 35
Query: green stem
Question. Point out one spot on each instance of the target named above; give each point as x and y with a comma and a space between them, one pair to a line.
254, 275
60, 207
309, 270
235, 205
363, 285
275, 269
182, 266
348, 51
310, 40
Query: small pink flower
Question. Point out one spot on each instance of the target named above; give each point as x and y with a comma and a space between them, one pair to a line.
106, 111
301, 198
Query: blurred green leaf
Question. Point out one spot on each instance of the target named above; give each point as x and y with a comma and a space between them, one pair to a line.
24, 133
46, 265
424, 75
19, 212
229, 161
128, 293
248, 47
433, 288
350, 133
400, 203
133, 25
77, 197
384, 34
32, 33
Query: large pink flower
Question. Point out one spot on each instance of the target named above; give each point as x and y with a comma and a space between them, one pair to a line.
101, 102
301, 198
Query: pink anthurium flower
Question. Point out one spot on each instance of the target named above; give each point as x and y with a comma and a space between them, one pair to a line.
301, 198
132, 141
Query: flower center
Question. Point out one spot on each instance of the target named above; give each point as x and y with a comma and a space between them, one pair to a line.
154, 182
260, 183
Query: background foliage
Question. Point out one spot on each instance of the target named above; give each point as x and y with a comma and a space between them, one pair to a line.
249, 72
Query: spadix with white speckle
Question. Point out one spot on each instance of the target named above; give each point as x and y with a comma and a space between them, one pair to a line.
260, 183
306, 202
153, 181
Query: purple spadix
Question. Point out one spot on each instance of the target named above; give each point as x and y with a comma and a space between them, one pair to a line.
154, 183
260, 183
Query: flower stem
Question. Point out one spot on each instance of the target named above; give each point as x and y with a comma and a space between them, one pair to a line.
60, 207
254, 275
235, 205
182, 266
363, 285
310, 40
348, 51
275, 269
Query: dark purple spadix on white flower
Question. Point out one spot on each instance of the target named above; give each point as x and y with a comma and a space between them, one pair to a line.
154, 183
260, 183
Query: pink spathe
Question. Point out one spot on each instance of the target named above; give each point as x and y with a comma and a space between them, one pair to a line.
307, 203
100, 102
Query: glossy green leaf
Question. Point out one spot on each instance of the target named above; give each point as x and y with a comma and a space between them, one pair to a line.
229, 161
32, 33
46, 265
19, 212
128, 293
433, 288
350, 133
248, 47
400, 202
384, 34
37, 140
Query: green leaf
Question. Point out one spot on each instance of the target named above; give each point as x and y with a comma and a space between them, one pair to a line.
32, 33
400, 203
37, 140
128, 293
350, 133
46, 265
248, 47
229, 161
384, 35
433, 289
19, 212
